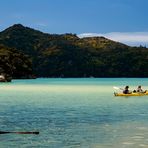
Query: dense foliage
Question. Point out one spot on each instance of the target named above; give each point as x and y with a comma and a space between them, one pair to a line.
14, 63
67, 55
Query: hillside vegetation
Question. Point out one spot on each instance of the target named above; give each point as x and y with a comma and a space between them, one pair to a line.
27, 52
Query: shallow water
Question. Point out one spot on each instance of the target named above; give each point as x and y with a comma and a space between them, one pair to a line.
73, 113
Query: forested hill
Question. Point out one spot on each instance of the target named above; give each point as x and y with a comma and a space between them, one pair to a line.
67, 55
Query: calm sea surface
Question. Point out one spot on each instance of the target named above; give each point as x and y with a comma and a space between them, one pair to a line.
73, 113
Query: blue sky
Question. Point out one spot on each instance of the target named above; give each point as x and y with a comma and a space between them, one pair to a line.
115, 19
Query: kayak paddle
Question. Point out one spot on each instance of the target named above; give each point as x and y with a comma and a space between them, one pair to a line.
118, 88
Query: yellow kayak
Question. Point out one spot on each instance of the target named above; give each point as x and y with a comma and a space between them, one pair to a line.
131, 94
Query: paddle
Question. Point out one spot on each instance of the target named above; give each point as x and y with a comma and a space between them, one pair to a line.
3, 132
118, 88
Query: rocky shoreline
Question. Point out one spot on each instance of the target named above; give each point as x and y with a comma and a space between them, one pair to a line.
5, 78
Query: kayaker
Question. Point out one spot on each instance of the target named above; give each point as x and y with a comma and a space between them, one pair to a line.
126, 90
139, 90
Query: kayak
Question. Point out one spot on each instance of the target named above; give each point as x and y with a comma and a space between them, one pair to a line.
131, 94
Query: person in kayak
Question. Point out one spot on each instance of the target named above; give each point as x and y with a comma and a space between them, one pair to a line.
126, 90
140, 90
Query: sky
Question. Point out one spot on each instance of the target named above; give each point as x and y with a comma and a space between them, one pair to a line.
120, 20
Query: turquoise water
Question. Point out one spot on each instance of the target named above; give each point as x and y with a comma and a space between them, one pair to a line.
73, 113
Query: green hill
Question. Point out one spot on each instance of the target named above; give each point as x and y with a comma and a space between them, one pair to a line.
67, 55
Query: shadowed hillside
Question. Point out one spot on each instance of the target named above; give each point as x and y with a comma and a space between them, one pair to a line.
14, 63
66, 55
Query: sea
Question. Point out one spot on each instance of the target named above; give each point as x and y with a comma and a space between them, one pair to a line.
73, 113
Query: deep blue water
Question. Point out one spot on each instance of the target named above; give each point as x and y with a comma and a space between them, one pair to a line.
73, 113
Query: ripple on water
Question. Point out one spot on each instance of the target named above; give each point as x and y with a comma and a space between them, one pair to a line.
128, 143
142, 128
137, 137
143, 145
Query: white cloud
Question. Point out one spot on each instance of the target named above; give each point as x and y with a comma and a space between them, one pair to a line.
17, 16
41, 24
130, 38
